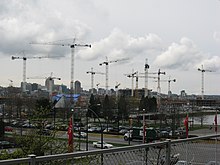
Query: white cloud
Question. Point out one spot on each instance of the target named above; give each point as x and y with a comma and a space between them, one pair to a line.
23, 24
183, 55
212, 63
216, 36
121, 45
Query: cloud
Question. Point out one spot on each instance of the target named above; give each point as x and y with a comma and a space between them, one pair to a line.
216, 36
23, 22
212, 63
121, 45
183, 55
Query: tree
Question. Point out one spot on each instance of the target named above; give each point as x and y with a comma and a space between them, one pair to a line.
122, 108
107, 108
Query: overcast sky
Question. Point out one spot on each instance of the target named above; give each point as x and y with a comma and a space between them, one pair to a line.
176, 36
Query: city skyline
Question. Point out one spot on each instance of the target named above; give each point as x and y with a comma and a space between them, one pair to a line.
175, 37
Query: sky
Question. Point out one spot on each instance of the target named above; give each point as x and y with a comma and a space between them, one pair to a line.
177, 37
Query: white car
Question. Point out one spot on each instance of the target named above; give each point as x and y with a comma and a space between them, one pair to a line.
82, 134
98, 144
182, 162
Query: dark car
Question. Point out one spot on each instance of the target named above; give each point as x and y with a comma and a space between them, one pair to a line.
6, 144
46, 132
8, 129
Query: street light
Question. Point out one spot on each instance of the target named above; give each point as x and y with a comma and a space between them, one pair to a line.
144, 130
89, 109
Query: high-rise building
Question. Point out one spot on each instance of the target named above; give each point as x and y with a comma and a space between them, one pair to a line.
78, 88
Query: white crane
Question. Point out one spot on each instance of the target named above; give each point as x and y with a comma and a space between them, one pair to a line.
137, 76
106, 63
24, 58
11, 83
202, 70
72, 46
132, 75
158, 88
50, 82
169, 81
92, 78
97, 87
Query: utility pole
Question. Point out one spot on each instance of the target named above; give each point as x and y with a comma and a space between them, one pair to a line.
202, 70
92, 78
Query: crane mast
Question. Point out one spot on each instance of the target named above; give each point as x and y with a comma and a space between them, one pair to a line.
106, 63
49, 80
137, 76
169, 81
72, 47
202, 70
24, 58
132, 75
92, 78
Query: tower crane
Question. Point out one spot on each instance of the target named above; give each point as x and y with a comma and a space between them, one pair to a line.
11, 83
116, 90
97, 86
50, 82
169, 81
202, 70
137, 76
132, 75
106, 63
92, 78
24, 58
72, 46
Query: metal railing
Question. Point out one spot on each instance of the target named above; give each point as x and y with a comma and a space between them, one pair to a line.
198, 150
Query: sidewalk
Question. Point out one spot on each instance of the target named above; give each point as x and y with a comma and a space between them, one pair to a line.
202, 132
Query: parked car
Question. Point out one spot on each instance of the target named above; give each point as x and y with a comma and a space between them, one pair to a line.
46, 132
92, 129
28, 125
98, 144
6, 144
213, 163
176, 133
8, 129
50, 126
123, 131
182, 162
81, 134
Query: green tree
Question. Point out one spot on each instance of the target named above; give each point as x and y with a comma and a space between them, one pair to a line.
122, 108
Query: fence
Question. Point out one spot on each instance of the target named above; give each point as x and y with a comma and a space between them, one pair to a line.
198, 150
